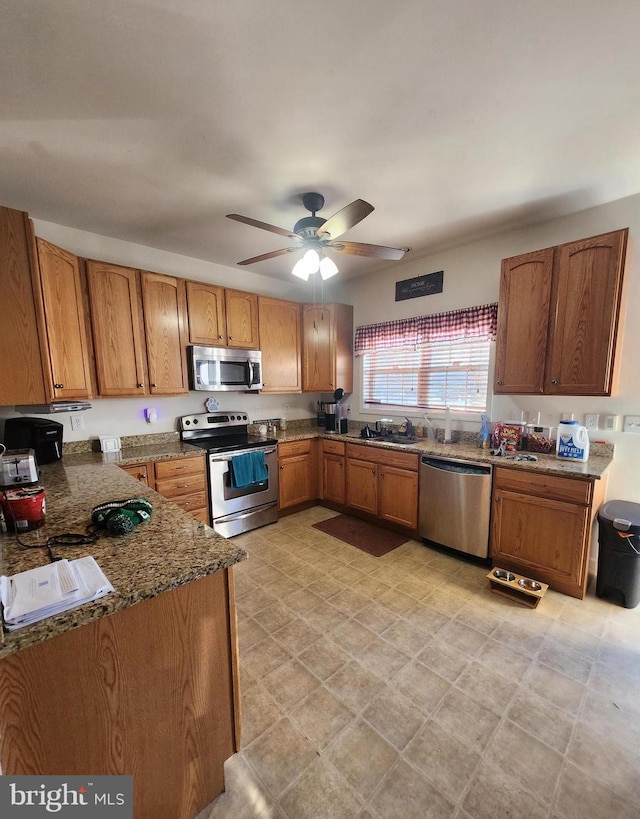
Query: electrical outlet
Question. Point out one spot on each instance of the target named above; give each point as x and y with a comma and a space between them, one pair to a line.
631, 423
591, 420
77, 422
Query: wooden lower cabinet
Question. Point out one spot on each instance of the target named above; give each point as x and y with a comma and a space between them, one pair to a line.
383, 483
182, 480
140, 472
398, 490
149, 690
541, 526
297, 468
333, 472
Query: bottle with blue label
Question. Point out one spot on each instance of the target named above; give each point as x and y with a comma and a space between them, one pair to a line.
572, 442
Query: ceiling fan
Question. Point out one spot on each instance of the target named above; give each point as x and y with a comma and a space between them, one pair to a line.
317, 235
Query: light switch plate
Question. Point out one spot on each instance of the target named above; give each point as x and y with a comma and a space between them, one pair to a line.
591, 420
631, 423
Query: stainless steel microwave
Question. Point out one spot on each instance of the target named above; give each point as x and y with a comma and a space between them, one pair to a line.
216, 368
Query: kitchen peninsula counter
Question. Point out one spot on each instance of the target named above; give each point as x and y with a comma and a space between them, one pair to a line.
171, 549
143, 682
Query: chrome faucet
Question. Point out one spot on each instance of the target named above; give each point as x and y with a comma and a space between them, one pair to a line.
409, 428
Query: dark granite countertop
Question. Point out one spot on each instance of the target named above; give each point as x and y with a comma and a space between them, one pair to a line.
171, 549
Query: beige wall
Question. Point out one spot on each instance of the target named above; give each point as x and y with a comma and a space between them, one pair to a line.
471, 276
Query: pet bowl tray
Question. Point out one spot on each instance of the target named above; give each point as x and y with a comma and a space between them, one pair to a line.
516, 587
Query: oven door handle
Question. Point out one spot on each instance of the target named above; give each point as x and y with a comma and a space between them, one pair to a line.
218, 458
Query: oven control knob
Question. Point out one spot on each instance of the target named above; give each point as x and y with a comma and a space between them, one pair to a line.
187, 422
233, 417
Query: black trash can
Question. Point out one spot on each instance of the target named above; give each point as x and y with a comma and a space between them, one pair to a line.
619, 552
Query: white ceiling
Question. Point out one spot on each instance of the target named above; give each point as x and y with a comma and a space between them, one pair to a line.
457, 119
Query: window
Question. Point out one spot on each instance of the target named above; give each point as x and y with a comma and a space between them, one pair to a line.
431, 362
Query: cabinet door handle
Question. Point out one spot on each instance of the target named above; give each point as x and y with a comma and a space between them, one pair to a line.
140, 385
183, 485
179, 467
499, 383
154, 385
59, 386
230, 338
219, 336
554, 380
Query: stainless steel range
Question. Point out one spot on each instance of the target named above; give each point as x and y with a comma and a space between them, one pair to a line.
234, 508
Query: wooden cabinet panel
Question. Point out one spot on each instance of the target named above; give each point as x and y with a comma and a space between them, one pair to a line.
185, 485
115, 309
584, 329
398, 496
541, 526
281, 345
559, 318
523, 322
164, 321
21, 374
142, 472
334, 447
544, 538
383, 482
362, 485
388, 457
156, 675
65, 322
573, 490
177, 467
297, 468
333, 477
295, 480
242, 319
207, 317
327, 353
182, 480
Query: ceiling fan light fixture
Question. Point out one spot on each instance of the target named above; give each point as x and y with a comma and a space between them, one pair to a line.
301, 270
328, 268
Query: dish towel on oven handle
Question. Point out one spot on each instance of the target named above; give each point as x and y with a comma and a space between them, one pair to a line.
248, 469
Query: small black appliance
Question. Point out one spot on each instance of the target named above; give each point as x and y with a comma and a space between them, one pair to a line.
40, 434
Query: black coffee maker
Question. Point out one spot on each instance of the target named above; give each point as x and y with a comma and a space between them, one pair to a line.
40, 434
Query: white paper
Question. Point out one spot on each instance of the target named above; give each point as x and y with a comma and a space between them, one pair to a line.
30, 596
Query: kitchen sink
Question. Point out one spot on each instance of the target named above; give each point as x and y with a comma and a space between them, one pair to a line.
397, 439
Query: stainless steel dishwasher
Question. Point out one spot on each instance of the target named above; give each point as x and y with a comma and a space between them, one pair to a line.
455, 503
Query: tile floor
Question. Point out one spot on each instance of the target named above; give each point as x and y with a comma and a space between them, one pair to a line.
402, 687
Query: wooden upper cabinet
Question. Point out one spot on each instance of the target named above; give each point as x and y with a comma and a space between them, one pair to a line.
65, 322
584, 329
164, 310
327, 355
207, 317
281, 345
559, 318
242, 319
21, 373
116, 320
523, 322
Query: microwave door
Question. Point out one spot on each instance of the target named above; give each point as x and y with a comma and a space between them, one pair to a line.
207, 374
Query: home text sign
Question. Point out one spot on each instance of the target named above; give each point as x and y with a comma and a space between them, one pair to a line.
420, 286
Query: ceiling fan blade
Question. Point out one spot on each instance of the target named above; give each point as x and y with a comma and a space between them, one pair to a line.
373, 251
345, 219
271, 255
255, 223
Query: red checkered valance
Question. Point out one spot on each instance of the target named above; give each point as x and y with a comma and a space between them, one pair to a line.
469, 324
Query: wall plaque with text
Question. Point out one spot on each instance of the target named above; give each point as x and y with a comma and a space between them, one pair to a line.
420, 286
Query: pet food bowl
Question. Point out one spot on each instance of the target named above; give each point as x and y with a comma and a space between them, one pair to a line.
530, 585
502, 574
